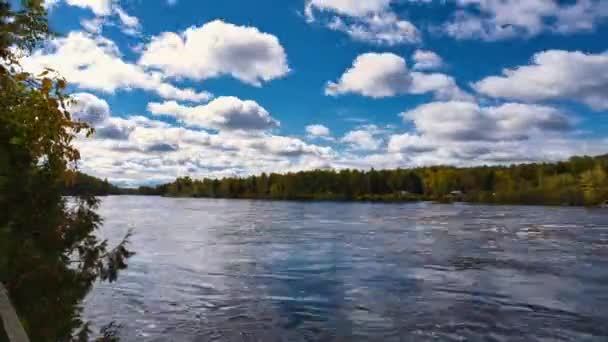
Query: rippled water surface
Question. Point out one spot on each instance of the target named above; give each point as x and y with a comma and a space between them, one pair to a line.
236, 270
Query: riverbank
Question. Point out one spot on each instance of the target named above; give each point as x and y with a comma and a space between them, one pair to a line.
579, 181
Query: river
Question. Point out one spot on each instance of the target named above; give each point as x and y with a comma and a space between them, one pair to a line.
241, 270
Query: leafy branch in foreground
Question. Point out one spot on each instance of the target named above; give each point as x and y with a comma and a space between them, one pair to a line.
42, 232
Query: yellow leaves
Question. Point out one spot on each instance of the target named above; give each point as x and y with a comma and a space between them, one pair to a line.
53, 103
47, 84
20, 77
61, 84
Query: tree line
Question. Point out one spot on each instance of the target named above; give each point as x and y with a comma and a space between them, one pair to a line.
578, 181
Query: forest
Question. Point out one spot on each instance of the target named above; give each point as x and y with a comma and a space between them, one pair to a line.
79, 183
578, 181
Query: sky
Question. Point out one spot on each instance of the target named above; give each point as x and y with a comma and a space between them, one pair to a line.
236, 87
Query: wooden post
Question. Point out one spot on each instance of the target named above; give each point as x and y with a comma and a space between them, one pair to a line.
12, 325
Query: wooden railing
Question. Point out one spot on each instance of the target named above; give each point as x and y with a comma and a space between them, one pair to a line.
12, 325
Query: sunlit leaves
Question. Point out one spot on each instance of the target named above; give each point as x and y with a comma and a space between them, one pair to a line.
50, 255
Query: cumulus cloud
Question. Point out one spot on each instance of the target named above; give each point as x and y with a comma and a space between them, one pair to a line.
136, 150
443, 87
467, 121
374, 75
288, 146
380, 29
465, 133
366, 137
215, 49
370, 21
103, 10
49, 4
115, 128
503, 19
159, 154
554, 75
355, 8
93, 25
126, 19
423, 151
95, 63
362, 140
426, 60
317, 131
583, 15
224, 113
89, 108
99, 7
129, 24
410, 143
380, 75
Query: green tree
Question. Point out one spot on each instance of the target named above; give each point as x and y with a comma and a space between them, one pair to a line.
49, 253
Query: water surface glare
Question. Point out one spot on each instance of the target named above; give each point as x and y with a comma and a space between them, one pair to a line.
240, 270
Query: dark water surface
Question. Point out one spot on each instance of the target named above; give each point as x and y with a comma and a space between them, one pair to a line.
236, 270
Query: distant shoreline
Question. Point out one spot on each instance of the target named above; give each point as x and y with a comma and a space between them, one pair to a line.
579, 181
346, 201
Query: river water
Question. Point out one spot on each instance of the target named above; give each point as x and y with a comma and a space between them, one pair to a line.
240, 270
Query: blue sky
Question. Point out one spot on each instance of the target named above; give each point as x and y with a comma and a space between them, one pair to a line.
235, 87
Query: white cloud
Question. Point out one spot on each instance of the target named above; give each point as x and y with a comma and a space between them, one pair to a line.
380, 29
364, 138
317, 131
503, 19
464, 134
467, 121
583, 15
224, 113
88, 108
94, 25
288, 146
423, 151
370, 21
215, 49
410, 143
115, 128
355, 8
426, 60
103, 10
126, 19
99, 7
374, 75
96, 63
443, 87
554, 75
128, 24
96, 112
161, 153
136, 150
49, 4
380, 75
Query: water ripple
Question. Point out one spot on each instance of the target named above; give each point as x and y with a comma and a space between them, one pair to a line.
221, 270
